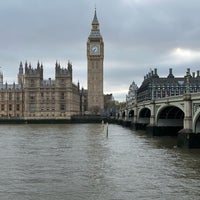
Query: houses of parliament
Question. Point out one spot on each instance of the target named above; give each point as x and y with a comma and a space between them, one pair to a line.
34, 98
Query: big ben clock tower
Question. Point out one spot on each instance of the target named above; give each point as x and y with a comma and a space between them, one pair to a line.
95, 56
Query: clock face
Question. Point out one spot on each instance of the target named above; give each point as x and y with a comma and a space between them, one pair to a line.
94, 49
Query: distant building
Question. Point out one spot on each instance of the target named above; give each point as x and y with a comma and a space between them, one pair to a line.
131, 97
83, 101
155, 87
35, 98
108, 99
109, 105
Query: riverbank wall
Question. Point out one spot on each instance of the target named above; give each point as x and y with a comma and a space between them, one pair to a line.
74, 119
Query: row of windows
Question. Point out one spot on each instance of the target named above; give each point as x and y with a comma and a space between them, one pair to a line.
32, 107
177, 89
32, 95
10, 96
10, 107
48, 83
47, 94
147, 95
47, 115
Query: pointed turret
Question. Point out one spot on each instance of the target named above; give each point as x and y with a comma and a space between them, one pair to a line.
38, 65
95, 32
21, 69
95, 20
21, 74
1, 78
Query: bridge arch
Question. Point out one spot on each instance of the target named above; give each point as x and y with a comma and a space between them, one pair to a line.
171, 104
170, 115
123, 114
144, 116
196, 121
145, 113
131, 114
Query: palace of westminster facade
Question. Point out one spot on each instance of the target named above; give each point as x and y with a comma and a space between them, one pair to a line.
34, 98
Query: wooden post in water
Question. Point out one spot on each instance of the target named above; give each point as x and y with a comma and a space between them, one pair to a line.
107, 129
102, 124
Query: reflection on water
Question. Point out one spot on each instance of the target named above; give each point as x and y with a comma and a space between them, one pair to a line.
77, 162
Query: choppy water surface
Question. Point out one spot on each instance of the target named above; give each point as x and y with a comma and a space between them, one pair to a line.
78, 162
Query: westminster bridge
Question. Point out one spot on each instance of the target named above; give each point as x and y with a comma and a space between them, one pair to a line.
174, 115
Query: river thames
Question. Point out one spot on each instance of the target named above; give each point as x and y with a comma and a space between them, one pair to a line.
78, 162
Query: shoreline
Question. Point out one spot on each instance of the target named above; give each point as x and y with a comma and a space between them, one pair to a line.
74, 119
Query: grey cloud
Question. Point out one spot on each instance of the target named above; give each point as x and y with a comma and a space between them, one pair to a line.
138, 35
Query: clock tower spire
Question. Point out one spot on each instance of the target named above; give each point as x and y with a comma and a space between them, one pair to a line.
95, 56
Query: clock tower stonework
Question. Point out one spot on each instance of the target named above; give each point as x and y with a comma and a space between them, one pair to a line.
95, 56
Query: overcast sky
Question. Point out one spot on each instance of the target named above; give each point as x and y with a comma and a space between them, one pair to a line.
139, 35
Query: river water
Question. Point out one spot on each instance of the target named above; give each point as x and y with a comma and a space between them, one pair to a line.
78, 162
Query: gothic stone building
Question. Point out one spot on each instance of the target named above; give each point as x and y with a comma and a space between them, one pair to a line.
132, 94
34, 98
